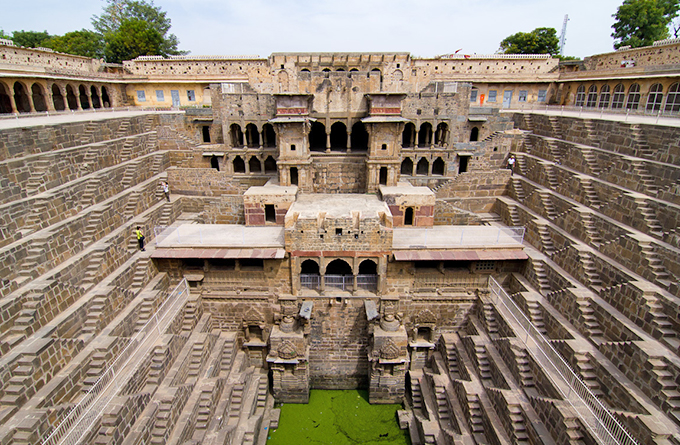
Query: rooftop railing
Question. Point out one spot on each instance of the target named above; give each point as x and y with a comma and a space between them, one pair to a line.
594, 112
597, 418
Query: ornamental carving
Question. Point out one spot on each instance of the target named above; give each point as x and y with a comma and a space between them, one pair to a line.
253, 317
426, 316
390, 351
287, 350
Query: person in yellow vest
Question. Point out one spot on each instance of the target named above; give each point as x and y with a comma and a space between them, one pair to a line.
140, 238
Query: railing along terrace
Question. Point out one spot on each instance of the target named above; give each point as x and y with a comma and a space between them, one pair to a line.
367, 281
344, 282
595, 416
592, 112
453, 236
72, 429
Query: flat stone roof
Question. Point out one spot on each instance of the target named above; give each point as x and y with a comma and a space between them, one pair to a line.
230, 236
338, 206
271, 190
404, 188
457, 237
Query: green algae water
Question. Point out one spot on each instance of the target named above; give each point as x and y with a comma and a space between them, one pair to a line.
338, 418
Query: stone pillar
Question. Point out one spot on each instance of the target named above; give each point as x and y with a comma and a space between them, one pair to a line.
49, 99
349, 142
415, 139
12, 102
328, 142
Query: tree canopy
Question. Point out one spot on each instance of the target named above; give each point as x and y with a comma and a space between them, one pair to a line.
82, 43
538, 41
125, 29
641, 22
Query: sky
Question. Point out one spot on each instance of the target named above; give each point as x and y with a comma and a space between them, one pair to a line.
424, 28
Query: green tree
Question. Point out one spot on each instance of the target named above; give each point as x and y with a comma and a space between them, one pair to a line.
4, 36
30, 39
133, 38
538, 41
82, 43
118, 12
641, 22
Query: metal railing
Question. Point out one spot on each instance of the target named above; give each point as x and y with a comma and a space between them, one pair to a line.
367, 281
441, 237
344, 282
310, 281
559, 110
595, 416
85, 413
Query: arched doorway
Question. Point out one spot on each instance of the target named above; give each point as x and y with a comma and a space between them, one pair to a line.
407, 167
441, 134
338, 136
317, 137
5, 101
367, 278
84, 102
21, 98
239, 165
309, 274
339, 275
254, 165
425, 135
94, 94
106, 101
71, 98
269, 136
474, 134
38, 97
438, 166
236, 135
423, 167
252, 136
409, 135
57, 98
270, 165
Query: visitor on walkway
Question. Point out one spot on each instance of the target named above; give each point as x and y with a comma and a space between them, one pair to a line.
511, 164
140, 238
166, 190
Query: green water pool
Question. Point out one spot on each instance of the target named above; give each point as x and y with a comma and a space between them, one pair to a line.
338, 418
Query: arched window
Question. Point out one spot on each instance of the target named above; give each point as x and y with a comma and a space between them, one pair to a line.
236, 135
338, 136
338, 267
438, 166
317, 137
376, 72
270, 165
382, 176
326, 72
655, 97
252, 136
38, 98
239, 165
21, 98
5, 101
592, 97
407, 167
441, 134
633, 97
474, 134
425, 135
71, 98
604, 97
359, 137
408, 136
309, 274
106, 101
408, 216
619, 97
84, 102
580, 96
673, 99
215, 163
368, 267
398, 75
309, 267
94, 94
269, 136
254, 165
423, 167
57, 98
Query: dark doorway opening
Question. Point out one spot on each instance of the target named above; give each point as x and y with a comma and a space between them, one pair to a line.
269, 213
215, 163
408, 216
359, 137
255, 165
438, 166
206, 133
383, 175
269, 165
474, 134
57, 98
239, 165
407, 167
294, 176
463, 162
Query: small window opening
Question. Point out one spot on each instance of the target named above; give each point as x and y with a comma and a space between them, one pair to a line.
270, 213
338, 231
384, 146
292, 147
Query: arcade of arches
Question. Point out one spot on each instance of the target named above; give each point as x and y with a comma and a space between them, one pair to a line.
20, 97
